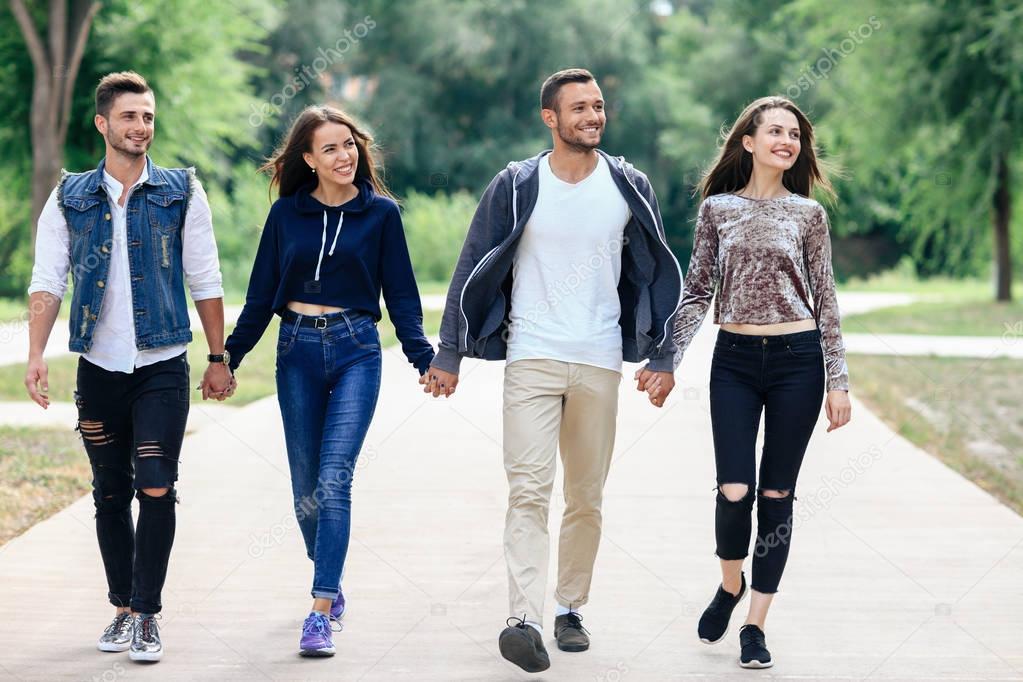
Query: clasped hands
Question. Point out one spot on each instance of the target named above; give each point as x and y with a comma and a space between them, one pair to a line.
656, 384
218, 382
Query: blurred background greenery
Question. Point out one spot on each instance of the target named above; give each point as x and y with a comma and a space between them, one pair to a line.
918, 103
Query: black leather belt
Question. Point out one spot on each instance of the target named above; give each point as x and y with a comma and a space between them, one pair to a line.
314, 321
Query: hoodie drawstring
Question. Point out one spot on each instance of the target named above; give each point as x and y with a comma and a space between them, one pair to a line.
323, 242
336, 233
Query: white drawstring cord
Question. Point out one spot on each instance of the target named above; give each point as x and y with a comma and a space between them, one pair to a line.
336, 233
323, 242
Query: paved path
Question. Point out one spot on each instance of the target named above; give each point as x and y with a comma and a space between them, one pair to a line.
1007, 346
900, 568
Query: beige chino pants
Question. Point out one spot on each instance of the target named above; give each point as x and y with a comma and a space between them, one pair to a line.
548, 403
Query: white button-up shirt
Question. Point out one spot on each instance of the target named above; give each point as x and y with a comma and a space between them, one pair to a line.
113, 344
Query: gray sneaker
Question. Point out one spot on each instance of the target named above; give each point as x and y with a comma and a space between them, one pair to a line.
145, 639
117, 636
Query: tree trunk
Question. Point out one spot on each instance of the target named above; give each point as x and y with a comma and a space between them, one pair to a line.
55, 64
1002, 215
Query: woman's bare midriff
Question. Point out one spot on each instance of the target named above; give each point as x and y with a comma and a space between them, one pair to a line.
771, 329
312, 308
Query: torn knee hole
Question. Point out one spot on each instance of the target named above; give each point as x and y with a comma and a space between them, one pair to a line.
775, 494
734, 492
169, 494
149, 449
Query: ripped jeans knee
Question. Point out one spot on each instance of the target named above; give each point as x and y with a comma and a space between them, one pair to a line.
733, 521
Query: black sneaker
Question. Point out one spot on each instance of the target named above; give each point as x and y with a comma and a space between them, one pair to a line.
570, 633
523, 645
754, 648
714, 622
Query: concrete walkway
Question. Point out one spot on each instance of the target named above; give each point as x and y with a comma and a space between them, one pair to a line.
900, 568
1007, 346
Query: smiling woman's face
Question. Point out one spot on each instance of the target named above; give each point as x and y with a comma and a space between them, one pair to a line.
776, 142
334, 155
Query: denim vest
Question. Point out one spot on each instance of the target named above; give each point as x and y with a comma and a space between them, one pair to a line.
155, 216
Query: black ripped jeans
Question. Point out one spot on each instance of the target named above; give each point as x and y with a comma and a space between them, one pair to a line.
132, 426
783, 378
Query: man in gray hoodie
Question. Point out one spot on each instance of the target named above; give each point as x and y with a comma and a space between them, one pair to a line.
565, 273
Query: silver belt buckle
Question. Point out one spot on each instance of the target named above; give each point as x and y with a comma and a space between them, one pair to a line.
320, 323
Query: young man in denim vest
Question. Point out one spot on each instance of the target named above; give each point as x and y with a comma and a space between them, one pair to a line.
131, 234
565, 273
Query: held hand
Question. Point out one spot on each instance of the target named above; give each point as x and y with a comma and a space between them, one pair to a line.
838, 409
37, 382
658, 385
217, 382
438, 382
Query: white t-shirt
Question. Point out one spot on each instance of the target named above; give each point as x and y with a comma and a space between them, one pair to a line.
565, 302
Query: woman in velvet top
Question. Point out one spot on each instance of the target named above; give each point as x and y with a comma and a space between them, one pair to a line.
332, 243
762, 251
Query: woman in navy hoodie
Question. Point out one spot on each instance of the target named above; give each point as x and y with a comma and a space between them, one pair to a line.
332, 242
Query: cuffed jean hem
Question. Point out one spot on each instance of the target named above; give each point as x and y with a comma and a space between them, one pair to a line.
325, 594
145, 607
120, 601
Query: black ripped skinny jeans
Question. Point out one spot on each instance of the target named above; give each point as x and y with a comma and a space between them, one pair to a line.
132, 426
783, 378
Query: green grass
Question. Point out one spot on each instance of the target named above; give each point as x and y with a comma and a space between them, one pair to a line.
963, 411
41, 472
902, 279
12, 309
255, 377
948, 318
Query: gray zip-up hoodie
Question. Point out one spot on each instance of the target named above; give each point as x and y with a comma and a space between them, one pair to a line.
475, 322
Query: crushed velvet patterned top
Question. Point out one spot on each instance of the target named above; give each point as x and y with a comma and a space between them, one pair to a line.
769, 261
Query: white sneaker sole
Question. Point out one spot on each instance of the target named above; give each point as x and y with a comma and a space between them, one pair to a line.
317, 653
727, 629
113, 648
755, 664
145, 656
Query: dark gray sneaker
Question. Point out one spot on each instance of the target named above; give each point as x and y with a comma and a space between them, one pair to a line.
145, 639
117, 636
754, 648
570, 633
713, 624
523, 645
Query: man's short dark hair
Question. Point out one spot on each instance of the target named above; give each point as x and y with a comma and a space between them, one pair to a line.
114, 84
551, 86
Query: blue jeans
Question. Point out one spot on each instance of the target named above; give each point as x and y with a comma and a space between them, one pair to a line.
328, 380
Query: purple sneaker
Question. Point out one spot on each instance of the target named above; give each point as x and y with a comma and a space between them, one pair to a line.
316, 636
337, 609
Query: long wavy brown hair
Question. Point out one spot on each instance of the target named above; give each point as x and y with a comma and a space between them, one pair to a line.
289, 169
733, 166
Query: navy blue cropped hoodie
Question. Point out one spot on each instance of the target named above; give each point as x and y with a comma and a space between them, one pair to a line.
336, 256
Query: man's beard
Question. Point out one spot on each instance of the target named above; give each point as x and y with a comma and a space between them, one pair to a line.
574, 142
120, 143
